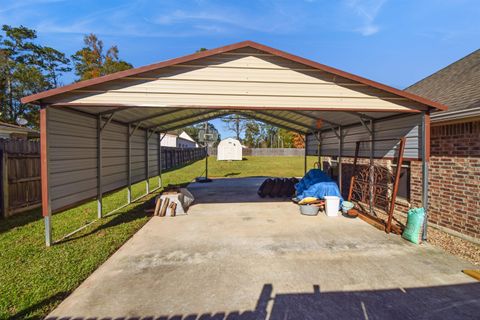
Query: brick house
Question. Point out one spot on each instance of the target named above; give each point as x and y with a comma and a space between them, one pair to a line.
454, 194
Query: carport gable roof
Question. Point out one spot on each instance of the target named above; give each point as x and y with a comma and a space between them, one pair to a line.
297, 118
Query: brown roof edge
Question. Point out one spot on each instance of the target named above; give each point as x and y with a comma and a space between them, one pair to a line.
82, 84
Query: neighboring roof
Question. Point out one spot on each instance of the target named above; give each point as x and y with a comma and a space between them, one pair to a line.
186, 136
8, 127
456, 86
36, 98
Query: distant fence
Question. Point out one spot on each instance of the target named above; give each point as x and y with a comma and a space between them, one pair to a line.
175, 157
266, 152
20, 176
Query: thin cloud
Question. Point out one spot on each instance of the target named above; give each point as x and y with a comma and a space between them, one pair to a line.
367, 11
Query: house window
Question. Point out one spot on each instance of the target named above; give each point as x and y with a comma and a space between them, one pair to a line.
404, 182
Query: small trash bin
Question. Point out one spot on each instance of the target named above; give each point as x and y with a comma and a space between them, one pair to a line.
332, 204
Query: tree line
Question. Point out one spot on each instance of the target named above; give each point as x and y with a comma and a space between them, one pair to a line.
257, 134
27, 67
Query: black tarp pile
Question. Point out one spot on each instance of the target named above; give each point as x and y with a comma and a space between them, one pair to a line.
278, 187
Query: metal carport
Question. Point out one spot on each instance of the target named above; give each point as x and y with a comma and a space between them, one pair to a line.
103, 134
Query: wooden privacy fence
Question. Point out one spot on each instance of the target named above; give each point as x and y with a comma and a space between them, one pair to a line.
266, 152
20, 172
20, 176
175, 157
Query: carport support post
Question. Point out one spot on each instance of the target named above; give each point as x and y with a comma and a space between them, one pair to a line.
46, 208
99, 167
425, 160
319, 150
159, 159
372, 167
129, 164
147, 185
340, 152
206, 161
305, 155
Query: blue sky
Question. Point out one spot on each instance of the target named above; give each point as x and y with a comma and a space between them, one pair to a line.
397, 42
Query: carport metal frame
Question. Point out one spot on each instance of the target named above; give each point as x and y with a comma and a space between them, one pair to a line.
266, 114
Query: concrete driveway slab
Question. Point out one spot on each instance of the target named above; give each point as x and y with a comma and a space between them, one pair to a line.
237, 257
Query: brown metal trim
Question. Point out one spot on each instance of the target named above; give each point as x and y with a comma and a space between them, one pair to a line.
44, 162
82, 84
398, 170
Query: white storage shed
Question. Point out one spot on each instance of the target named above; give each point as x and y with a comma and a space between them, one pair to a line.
229, 149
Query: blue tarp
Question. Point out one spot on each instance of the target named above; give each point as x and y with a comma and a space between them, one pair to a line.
317, 184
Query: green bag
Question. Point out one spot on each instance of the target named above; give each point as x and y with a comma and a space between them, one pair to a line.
413, 231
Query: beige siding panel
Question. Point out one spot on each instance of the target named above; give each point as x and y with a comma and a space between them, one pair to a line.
69, 165
73, 198
165, 86
153, 155
73, 151
162, 100
240, 74
248, 61
232, 80
72, 157
396, 128
114, 160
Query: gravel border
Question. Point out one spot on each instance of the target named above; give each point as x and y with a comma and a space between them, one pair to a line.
459, 247
454, 245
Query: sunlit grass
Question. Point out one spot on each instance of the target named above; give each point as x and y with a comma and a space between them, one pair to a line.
34, 278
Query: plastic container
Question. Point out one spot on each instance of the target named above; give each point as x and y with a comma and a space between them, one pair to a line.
309, 210
332, 204
347, 205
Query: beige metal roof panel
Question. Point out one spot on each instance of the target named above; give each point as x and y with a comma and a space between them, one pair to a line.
234, 81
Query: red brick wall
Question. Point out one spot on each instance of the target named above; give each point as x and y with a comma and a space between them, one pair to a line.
454, 190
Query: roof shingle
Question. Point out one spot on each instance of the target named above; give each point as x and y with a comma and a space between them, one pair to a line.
457, 85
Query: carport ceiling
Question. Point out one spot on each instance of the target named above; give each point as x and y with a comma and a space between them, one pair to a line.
246, 78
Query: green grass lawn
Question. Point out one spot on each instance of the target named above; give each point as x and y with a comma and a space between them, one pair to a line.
34, 278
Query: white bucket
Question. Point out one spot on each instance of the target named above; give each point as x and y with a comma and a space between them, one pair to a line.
332, 204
